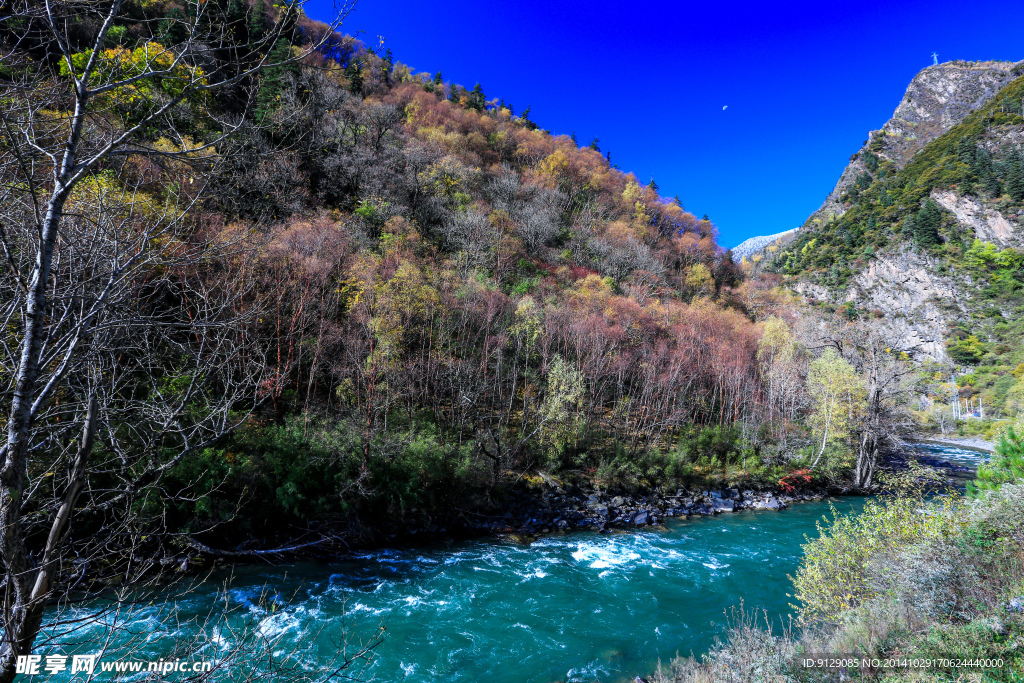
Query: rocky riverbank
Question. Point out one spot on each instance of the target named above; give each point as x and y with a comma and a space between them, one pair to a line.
974, 442
552, 506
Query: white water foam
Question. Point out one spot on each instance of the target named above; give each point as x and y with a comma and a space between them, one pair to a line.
604, 556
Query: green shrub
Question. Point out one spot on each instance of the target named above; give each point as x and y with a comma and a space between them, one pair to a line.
834, 576
1006, 466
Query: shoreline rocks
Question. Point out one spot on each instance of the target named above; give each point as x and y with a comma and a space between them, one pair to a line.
561, 508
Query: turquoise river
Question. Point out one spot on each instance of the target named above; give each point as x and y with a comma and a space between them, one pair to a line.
573, 607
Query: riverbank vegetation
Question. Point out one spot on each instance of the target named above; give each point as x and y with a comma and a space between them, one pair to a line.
910, 577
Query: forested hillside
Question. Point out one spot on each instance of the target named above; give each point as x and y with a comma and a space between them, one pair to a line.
328, 288
932, 242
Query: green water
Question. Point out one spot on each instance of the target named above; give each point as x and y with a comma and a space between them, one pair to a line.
574, 607
577, 607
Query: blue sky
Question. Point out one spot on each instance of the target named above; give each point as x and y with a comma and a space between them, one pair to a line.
804, 82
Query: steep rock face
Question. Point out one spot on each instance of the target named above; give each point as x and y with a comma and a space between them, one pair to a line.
907, 288
986, 223
917, 300
937, 99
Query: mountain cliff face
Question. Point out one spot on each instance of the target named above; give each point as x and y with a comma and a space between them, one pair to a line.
925, 228
938, 98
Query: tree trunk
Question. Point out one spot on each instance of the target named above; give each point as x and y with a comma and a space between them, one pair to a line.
18, 634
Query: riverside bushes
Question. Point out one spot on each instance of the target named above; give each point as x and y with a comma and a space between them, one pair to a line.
907, 578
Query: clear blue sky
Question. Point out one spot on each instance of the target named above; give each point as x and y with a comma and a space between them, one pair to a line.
804, 82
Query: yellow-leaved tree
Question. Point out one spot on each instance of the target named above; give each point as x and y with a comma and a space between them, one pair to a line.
837, 396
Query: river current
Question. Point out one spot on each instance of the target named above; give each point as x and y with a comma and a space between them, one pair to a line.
573, 607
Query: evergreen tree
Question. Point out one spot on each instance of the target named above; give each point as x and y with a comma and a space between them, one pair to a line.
1015, 176
965, 151
173, 28
926, 225
236, 19
275, 80
438, 79
386, 66
1007, 466
476, 98
653, 185
258, 21
907, 228
354, 74
993, 186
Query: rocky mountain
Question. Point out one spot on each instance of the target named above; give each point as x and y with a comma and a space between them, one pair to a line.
938, 98
924, 232
749, 247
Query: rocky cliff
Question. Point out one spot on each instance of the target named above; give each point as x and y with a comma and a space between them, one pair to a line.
938, 98
924, 232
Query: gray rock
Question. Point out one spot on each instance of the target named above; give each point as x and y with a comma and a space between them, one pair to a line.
1015, 605
720, 505
641, 518
773, 504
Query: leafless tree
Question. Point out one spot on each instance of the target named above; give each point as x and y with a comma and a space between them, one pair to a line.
125, 345
889, 375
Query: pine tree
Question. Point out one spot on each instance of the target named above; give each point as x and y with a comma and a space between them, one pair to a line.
993, 186
258, 21
476, 98
172, 28
236, 19
438, 79
926, 225
386, 65
1007, 466
275, 79
1015, 176
354, 74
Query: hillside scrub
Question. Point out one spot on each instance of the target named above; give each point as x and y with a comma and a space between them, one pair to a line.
351, 294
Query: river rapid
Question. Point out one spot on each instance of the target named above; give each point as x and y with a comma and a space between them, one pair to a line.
572, 607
